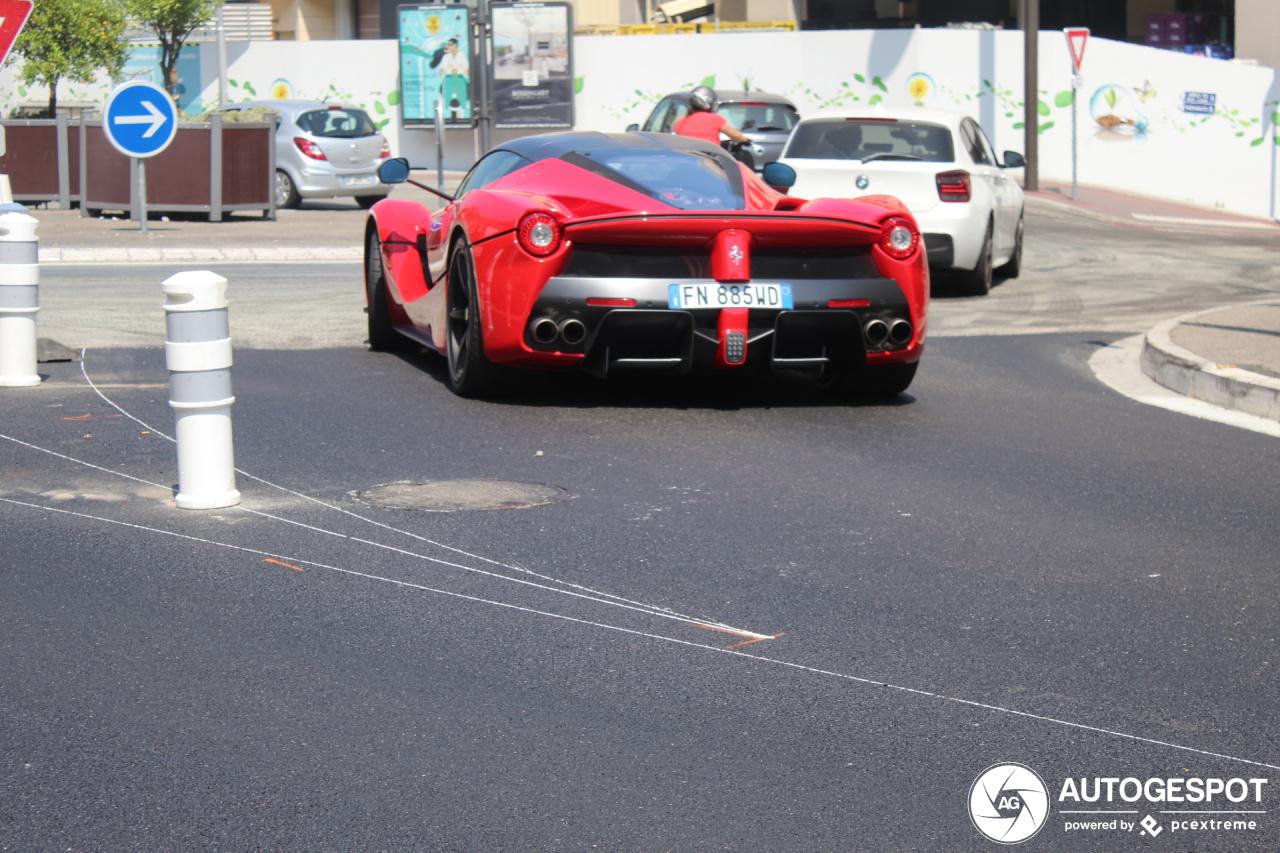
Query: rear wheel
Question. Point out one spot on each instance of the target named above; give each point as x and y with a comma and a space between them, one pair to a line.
977, 282
470, 373
1013, 268
286, 193
382, 335
883, 380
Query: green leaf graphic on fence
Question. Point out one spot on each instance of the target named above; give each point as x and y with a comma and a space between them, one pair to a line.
577, 85
1063, 99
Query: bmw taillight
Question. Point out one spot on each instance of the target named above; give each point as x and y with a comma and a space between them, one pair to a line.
953, 186
386, 149
539, 234
899, 237
309, 148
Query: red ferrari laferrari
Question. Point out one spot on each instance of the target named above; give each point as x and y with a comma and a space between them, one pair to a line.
639, 251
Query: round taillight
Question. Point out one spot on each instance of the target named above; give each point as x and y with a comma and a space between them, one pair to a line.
899, 237
539, 234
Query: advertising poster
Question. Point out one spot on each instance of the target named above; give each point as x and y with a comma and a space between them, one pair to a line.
143, 63
435, 59
532, 65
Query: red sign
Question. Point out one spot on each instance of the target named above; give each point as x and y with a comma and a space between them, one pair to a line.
1076, 39
13, 17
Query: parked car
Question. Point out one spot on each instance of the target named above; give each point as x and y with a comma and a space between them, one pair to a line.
644, 251
324, 150
942, 166
765, 119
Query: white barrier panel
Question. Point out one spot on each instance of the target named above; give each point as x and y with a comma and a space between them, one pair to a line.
198, 354
19, 296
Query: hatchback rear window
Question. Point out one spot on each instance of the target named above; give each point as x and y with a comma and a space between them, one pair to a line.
759, 117
854, 139
339, 123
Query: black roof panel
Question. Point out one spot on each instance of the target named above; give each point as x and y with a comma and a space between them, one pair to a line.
546, 146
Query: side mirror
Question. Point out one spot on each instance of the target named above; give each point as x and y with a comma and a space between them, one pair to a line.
1014, 160
779, 175
394, 171
632, 128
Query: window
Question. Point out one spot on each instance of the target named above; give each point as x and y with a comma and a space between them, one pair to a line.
342, 124
971, 134
654, 122
684, 179
497, 164
758, 117
859, 139
678, 110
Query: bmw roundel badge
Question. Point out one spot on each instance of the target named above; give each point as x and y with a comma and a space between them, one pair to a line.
863, 182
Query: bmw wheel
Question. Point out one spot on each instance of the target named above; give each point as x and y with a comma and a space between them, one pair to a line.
470, 373
1013, 268
977, 282
286, 193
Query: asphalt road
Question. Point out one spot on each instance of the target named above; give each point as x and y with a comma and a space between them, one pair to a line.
1012, 564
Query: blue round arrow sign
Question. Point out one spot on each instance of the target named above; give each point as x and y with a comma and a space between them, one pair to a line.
140, 119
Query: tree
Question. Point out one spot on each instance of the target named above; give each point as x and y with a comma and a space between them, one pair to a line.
70, 40
172, 21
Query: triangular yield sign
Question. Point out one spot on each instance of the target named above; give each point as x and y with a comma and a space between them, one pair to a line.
13, 17
1076, 39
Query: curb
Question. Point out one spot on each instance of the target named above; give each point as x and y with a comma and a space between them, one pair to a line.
107, 255
1181, 370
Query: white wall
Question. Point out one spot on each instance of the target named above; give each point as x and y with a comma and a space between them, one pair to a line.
1225, 160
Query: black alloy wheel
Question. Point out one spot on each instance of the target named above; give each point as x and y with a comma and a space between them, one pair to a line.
383, 336
1013, 268
977, 282
470, 373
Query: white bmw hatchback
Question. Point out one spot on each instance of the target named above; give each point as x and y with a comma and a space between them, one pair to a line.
939, 163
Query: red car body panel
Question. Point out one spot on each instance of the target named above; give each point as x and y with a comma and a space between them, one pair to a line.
598, 213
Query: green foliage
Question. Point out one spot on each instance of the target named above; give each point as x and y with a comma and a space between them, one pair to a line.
172, 21
1063, 99
709, 81
1111, 97
1043, 108
393, 98
70, 40
577, 86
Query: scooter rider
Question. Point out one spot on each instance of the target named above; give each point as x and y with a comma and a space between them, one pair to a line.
704, 123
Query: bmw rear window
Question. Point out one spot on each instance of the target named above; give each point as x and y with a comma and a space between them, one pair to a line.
860, 139
684, 179
336, 123
755, 117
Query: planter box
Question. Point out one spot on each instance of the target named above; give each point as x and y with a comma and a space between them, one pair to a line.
43, 160
210, 167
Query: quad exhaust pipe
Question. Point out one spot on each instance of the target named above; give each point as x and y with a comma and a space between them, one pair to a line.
896, 333
546, 331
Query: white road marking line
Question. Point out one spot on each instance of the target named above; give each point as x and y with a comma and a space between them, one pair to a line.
1116, 366
776, 661
1217, 223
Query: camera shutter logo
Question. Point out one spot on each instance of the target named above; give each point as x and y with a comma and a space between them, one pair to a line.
1008, 803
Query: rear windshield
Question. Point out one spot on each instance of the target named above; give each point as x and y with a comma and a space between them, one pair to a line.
685, 179
759, 118
857, 139
340, 123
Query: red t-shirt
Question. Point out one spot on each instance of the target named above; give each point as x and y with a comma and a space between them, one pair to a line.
701, 125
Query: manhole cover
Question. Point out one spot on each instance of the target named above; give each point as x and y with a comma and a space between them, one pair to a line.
454, 495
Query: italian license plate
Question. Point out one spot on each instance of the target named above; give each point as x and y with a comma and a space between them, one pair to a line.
359, 180
693, 296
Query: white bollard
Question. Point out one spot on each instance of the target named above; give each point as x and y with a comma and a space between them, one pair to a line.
19, 296
197, 351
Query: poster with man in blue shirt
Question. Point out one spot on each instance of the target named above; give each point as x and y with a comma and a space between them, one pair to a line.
435, 60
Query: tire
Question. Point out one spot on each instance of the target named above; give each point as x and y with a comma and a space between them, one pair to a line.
1013, 268
886, 380
383, 336
471, 374
286, 193
368, 201
977, 282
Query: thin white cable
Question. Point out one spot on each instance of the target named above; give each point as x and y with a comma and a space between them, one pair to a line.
810, 669
549, 579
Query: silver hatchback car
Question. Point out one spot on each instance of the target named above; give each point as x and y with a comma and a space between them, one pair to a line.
324, 150
765, 119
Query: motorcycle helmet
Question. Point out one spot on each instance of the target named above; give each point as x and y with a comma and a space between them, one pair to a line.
703, 99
